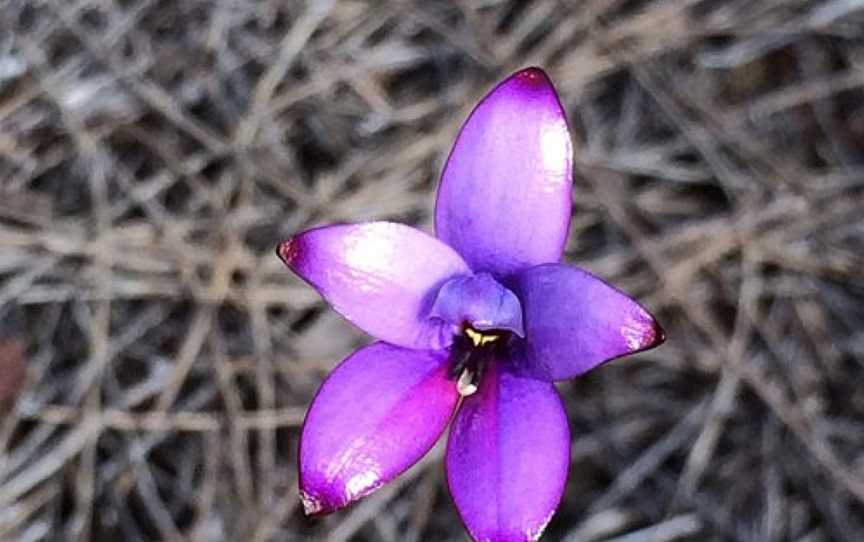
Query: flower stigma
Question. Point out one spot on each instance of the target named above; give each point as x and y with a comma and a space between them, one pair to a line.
466, 385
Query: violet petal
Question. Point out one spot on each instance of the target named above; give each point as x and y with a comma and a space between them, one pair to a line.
478, 300
508, 456
574, 321
381, 276
377, 414
505, 196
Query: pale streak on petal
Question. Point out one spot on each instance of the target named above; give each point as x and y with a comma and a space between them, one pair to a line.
554, 148
360, 482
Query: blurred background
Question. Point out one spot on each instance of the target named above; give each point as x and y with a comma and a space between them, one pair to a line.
156, 359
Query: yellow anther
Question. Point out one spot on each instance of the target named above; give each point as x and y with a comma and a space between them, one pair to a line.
478, 338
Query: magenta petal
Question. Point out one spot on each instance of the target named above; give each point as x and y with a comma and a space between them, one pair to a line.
505, 195
381, 276
575, 321
377, 413
507, 457
480, 301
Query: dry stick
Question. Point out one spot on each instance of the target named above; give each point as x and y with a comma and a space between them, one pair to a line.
574, 28
99, 351
15, 453
85, 475
722, 404
678, 528
28, 506
725, 394
283, 507
199, 329
238, 437
791, 96
468, 41
148, 92
767, 34
789, 413
535, 15
21, 283
798, 420
119, 420
811, 64
660, 27
145, 485
150, 299
206, 495
164, 422
74, 441
702, 450
423, 506
292, 44
264, 375
739, 187
100, 328
775, 519
732, 122
183, 167
711, 127
601, 525
320, 83
651, 460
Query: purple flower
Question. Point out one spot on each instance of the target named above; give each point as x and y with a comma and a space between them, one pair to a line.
474, 325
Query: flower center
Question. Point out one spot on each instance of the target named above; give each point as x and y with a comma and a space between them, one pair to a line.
484, 317
471, 353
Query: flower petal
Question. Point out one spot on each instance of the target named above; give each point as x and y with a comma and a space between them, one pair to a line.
508, 456
505, 196
377, 413
381, 276
481, 301
574, 321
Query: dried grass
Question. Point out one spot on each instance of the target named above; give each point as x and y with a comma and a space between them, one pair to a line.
153, 152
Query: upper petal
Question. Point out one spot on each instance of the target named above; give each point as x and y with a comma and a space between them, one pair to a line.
480, 301
376, 414
508, 456
382, 276
575, 321
505, 195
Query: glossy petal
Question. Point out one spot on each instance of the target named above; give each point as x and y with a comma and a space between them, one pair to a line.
507, 457
575, 321
478, 300
505, 195
376, 414
381, 276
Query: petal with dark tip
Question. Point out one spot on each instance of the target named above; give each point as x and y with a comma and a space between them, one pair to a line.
507, 457
574, 321
505, 196
480, 301
381, 276
377, 414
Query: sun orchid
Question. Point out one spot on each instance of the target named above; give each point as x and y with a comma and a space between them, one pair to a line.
474, 327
